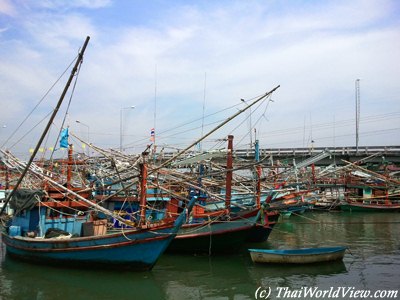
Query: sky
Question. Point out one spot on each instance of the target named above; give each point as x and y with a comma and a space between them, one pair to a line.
186, 65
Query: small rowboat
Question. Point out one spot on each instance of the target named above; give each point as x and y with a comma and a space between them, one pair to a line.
297, 256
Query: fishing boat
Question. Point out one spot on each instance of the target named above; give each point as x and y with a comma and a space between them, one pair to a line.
297, 256
137, 249
219, 231
264, 226
63, 230
367, 191
215, 236
55, 223
369, 206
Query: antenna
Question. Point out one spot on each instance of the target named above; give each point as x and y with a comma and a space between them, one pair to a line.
357, 112
204, 105
155, 107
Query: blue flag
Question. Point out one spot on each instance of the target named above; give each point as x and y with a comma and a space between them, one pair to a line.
64, 138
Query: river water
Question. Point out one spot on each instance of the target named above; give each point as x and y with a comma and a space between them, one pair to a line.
371, 263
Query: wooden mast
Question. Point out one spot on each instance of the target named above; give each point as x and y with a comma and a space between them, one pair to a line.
143, 191
229, 167
259, 172
69, 167
258, 187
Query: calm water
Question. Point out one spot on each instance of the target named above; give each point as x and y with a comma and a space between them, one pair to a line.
373, 263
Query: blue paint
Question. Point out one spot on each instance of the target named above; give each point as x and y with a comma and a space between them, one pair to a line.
15, 230
257, 151
136, 249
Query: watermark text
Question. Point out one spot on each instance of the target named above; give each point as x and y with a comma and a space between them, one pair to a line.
328, 293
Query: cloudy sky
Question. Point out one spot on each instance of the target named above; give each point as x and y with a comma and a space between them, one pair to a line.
186, 65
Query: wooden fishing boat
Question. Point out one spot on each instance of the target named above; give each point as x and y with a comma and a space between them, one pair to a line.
369, 206
46, 232
297, 256
367, 191
223, 230
55, 222
215, 236
137, 249
263, 228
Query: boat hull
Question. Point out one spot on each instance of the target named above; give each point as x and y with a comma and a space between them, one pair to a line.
137, 250
214, 237
260, 232
369, 208
297, 256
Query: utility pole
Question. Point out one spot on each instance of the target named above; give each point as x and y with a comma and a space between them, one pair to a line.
357, 112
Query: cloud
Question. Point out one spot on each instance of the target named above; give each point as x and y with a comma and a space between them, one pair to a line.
73, 4
7, 8
315, 50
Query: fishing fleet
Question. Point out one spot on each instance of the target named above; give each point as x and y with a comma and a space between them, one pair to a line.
113, 209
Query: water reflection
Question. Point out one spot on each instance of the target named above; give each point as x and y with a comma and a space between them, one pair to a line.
295, 275
202, 277
372, 262
20, 280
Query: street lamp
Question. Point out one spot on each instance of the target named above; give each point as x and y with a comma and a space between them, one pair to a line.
120, 125
88, 131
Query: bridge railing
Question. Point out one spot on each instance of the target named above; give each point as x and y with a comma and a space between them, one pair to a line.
365, 150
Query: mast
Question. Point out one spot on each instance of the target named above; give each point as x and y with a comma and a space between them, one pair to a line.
228, 183
143, 190
204, 106
155, 112
196, 142
357, 112
216, 128
258, 169
71, 77
69, 167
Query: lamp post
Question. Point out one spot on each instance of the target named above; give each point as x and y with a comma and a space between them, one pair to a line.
88, 131
120, 125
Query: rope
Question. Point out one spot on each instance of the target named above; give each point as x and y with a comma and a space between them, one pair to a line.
66, 112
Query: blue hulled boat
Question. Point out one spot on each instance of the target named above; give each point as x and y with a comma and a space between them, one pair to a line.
42, 231
62, 224
137, 248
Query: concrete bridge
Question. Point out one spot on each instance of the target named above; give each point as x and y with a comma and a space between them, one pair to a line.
380, 154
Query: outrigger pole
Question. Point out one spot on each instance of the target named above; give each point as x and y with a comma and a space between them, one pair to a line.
194, 143
215, 129
71, 77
